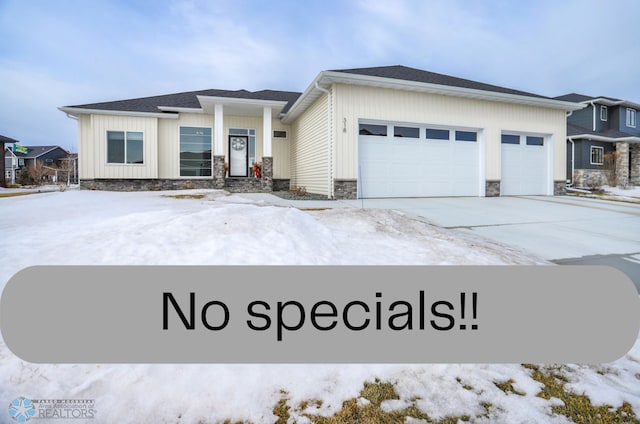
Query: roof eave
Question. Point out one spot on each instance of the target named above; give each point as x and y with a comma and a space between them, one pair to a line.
75, 111
595, 137
328, 78
608, 102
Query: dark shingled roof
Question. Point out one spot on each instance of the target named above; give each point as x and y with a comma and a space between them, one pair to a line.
573, 130
4, 139
578, 98
189, 100
35, 151
400, 72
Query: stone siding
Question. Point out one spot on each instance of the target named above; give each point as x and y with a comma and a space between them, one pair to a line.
281, 184
622, 164
634, 163
559, 188
492, 188
590, 178
345, 189
267, 174
146, 185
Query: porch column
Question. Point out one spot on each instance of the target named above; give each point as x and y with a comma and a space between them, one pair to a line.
219, 173
622, 163
267, 156
266, 131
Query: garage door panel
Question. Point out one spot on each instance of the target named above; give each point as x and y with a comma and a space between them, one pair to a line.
524, 170
394, 167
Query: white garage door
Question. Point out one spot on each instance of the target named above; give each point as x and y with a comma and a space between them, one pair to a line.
402, 161
524, 165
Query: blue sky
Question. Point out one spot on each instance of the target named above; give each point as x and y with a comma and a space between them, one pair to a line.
57, 53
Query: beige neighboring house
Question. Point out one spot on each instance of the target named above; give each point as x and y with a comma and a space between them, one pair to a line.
387, 131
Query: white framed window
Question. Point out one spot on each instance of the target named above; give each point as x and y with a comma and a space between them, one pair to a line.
125, 147
195, 152
279, 134
603, 113
597, 155
409, 132
631, 117
373, 129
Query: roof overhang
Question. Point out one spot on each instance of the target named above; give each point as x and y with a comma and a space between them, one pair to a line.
327, 78
241, 107
608, 102
594, 137
75, 111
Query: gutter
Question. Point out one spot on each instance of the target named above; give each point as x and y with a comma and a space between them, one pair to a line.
329, 157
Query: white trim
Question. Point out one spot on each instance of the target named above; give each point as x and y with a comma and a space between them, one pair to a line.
181, 109
328, 78
218, 130
629, 113
604, 111
630, 139
266, 133
240, 101
591, 162
74, 111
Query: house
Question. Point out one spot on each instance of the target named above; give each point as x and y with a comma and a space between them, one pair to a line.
603, 142
390, 131
6, 170
54, 160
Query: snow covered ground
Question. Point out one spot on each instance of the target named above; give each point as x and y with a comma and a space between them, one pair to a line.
89, 227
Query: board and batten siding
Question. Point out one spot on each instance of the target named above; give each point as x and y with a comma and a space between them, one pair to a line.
169, 141
309, 148
93, 147
353, 103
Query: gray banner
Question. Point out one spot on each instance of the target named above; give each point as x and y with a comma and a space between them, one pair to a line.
319, 314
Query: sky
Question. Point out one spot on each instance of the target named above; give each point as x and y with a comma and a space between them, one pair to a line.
69, 52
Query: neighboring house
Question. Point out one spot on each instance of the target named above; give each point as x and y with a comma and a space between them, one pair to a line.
371, 132
10, 165
5, 171
603, 142
53, 158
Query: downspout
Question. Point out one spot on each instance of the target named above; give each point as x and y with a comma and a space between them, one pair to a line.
329, 156
573, 157
594, 115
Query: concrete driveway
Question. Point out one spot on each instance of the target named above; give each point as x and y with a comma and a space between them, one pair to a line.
563, 229
551, 227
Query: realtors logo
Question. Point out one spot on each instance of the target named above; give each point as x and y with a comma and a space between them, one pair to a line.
23, 409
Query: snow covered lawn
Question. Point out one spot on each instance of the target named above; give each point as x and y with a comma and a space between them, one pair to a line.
209, 227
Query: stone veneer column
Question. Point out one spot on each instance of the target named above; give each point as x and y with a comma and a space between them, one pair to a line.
492, 188
218, 172
267, 173
622, 163
634, 159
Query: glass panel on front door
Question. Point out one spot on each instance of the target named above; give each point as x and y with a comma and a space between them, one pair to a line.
238, 156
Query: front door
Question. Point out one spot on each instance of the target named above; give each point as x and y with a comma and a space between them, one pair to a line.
238, 156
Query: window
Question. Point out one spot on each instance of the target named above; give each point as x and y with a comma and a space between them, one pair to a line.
466, 136
535, 141
252, 143
597, 155
631, 117
409, 132
434, 134
510, 139
195, 152
603, 113
125, 147
279, 134
370, 129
